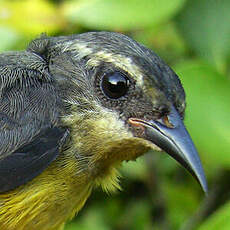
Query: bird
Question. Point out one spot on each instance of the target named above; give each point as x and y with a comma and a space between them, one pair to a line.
73, 108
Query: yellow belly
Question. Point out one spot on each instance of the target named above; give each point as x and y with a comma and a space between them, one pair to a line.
46, 202
54, 197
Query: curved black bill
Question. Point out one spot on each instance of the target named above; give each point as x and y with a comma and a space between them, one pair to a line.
177, 142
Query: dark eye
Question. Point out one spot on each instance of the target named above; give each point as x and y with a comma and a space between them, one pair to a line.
115, 85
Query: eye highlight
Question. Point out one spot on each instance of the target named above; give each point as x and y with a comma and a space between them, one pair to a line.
115, 84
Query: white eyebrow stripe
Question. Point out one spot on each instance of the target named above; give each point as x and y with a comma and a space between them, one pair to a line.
124, 63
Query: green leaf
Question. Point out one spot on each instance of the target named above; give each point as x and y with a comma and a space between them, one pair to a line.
135, 169
9, 38
120, 14
205, 25
183, 199
207, 114
30, 17
219, 220
92, 220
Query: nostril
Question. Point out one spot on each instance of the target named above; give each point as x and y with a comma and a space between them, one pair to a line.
165, 121
170, 120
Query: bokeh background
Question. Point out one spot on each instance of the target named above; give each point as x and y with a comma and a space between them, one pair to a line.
193, 37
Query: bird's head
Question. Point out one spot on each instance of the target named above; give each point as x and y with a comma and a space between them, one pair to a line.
120, 100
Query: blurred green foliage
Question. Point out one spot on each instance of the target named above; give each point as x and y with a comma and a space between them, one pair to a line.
193, 37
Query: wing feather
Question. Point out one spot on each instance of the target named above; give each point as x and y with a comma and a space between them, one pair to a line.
30, 133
